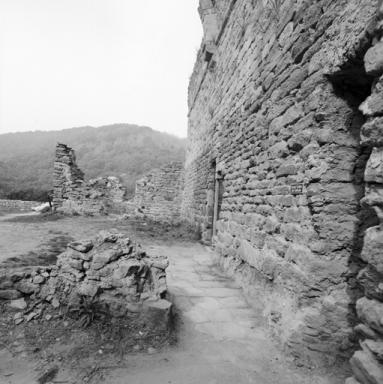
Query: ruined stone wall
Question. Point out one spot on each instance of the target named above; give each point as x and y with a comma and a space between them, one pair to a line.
19, 204
273, 109
367, 364
110, 270
159, 193
73, 195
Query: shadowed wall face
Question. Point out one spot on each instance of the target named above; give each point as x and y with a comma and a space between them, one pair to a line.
275, 107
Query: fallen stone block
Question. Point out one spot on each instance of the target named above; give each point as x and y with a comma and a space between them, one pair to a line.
158, 313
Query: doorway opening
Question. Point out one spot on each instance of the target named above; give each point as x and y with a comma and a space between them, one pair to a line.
218, 194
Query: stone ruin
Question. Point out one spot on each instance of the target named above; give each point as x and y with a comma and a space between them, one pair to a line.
111, 271
283, 173
73, 195
284, 167
158, 194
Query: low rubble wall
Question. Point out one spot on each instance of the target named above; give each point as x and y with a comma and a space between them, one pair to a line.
19, 204
111, 271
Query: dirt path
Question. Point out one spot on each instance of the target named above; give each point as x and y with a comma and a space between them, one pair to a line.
220, 339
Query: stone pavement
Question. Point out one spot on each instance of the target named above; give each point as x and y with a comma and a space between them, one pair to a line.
220, 338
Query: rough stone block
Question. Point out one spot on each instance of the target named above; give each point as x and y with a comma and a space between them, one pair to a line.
372, 251
373, 105
10, 294
158, 313
366, 369
27, 287
101, 258
371, 312
375, 347
81, 246
373, 60
374, 168
19, 304
372, 132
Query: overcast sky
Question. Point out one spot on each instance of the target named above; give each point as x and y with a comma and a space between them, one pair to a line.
68, 63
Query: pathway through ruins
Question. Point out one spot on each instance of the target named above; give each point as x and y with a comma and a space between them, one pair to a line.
221, 339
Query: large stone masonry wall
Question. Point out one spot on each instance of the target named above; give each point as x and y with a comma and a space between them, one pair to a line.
274, 111
367, 364
73, 195
158, 194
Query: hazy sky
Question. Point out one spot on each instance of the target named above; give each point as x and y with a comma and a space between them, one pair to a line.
68, 63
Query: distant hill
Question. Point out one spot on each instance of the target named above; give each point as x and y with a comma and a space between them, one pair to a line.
123, 150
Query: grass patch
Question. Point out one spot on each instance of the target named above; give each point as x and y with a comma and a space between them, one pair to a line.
46, 254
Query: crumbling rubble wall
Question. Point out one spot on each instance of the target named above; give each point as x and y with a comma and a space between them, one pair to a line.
73, 195
111, 271
158, 194
19, 204
274, 124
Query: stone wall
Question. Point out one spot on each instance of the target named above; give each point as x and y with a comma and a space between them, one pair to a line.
73, 195
19, 204
158, 194
111, 271
367, 364
273, 115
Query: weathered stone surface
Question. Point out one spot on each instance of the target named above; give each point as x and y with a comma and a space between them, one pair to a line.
373, 60
158, 312
366, 369
101, 258
19, 304
374, 168
375, 347
373, 106
371, 280
81, 246
38, 279
373, 248
274, 130
73, 195
158, 194
10, 294
371, 312
27, 287
372, 132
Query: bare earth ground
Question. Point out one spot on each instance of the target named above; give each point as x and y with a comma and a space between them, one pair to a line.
219, 338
